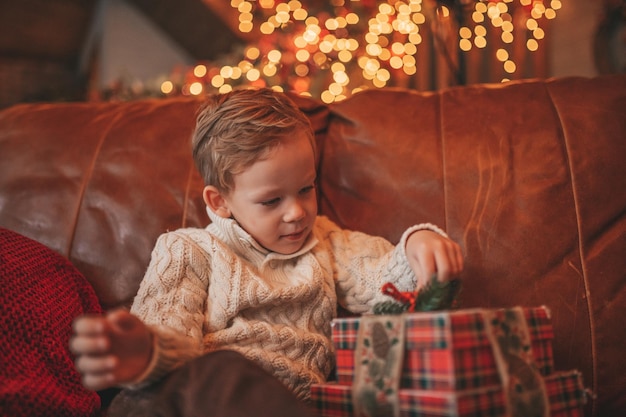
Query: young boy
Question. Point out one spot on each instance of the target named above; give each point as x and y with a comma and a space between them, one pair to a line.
265, 277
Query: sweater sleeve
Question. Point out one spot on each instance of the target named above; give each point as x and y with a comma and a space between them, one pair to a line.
362, 264
171, 301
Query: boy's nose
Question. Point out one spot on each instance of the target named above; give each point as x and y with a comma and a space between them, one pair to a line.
295, 212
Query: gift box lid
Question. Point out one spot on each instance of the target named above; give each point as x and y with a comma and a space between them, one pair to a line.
432, 330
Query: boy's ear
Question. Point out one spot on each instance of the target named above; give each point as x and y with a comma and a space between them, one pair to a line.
216, 201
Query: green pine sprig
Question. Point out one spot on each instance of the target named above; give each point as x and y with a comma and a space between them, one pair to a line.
436, 295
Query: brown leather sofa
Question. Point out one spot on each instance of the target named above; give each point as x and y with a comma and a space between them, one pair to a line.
528, 177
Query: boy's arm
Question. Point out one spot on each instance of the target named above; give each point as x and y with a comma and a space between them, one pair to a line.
362, 264
111, 350
165, 327
171, 301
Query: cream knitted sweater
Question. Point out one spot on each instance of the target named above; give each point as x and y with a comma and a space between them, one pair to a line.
217, 288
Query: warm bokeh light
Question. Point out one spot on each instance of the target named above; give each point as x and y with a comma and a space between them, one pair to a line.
196, 88
332, 49
167, 87
200, 71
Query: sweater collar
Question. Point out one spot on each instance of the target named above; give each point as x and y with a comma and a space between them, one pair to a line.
231, 233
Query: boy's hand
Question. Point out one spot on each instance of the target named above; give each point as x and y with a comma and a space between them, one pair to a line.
430, 253
111, 349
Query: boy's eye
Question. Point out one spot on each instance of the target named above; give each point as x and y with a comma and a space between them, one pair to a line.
271, 202
308, 189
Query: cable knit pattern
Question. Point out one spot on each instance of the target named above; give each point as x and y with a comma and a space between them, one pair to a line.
217, 288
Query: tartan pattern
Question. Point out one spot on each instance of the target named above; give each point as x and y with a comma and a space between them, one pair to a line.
447, 370
447, 350
483, 402
567, 397
344, 333
541, 333
564, 389
332, 400
344, 366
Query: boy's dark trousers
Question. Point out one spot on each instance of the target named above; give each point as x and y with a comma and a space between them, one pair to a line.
217, 384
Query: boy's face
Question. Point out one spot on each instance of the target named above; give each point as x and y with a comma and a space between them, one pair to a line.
274, 199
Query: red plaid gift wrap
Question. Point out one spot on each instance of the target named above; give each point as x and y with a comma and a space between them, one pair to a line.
565, 392
447, 351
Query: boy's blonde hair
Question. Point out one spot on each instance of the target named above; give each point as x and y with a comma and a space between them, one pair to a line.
236, 129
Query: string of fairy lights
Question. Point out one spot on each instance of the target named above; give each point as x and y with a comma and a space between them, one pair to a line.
331, 49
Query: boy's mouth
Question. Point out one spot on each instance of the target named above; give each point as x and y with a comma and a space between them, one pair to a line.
295, 236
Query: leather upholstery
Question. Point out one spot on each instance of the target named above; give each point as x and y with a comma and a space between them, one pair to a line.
527, 176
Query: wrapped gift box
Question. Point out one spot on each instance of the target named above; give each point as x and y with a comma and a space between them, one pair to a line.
565, 393
447, 351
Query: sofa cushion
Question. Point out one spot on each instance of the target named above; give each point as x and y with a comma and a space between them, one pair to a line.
41, 294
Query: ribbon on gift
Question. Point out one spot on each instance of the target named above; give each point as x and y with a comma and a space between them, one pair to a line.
404, 297
378, 366
523, 386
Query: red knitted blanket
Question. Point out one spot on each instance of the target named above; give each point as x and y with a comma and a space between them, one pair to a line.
40, 294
